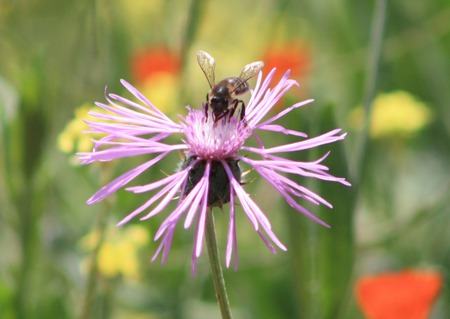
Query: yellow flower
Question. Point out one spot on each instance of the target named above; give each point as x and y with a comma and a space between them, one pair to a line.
157, 69
118, 254
161, 89
394, 114
71, 139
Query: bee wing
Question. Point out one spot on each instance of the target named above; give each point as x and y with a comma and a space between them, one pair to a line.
208, 65
250, 70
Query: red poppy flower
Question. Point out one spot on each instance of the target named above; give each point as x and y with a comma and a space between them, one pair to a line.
294, 57
408, 294
151, 61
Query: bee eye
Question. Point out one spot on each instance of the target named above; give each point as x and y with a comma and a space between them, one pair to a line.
220, 103
220, 100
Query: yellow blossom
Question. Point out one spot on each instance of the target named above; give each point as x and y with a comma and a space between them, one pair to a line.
394, 114
72, 139
161, 88
118, 254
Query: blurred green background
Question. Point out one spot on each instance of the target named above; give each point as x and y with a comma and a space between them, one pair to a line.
389, 58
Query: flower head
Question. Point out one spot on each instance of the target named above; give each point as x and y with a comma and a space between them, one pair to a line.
118, 252
210, 175
294, 56
71, 139
157, 70
405, 294
153, 61
396, 114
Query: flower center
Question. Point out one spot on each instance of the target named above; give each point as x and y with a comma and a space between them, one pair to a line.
215, 141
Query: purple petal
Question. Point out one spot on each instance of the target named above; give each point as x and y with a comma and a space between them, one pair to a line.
283, 113
142, 98
323, 139
173, 183
122, 180
232, 237
281, 129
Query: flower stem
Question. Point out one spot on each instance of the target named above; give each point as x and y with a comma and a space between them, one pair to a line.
216, 268
87, 306
375, 46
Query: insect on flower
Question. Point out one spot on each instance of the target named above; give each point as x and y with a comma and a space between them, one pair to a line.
222, 96
210, 174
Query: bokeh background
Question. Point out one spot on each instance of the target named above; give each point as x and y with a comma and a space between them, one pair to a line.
378, 69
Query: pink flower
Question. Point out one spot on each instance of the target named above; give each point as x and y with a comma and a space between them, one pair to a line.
210, 175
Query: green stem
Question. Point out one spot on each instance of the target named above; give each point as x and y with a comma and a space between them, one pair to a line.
195, 14
91, 283
92, 276
28, 243
375, 47
216, 268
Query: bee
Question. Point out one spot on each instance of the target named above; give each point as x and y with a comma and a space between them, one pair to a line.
222, 96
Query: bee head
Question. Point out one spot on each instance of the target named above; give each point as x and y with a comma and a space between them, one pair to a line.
219, 106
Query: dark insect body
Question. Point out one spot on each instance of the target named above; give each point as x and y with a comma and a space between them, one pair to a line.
222, 96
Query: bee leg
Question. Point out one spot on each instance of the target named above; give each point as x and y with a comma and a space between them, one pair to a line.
235, 106
233, 109
223, 114
206, 107
242, 114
